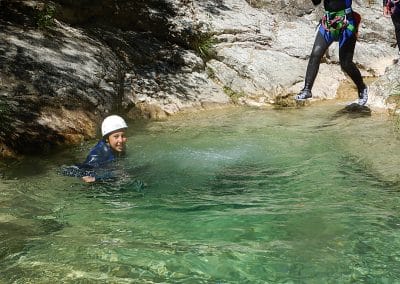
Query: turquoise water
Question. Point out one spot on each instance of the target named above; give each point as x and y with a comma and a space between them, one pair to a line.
307, 195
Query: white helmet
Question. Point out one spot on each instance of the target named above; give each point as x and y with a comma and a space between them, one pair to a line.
112, 123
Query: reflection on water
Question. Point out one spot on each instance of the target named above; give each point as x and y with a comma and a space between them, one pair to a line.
307, 195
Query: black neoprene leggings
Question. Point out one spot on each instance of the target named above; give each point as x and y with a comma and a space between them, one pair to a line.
396, 23
346, 53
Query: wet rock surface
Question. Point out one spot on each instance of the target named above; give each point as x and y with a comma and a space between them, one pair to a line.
64, 65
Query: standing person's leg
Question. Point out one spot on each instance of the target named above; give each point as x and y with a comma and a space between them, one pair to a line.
346, 52
396, 23
319, 48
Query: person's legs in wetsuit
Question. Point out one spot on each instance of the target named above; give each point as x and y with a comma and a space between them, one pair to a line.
396, 23
319, 48
346, 52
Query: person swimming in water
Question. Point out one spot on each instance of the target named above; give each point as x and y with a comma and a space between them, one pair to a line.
98, 164
339, 23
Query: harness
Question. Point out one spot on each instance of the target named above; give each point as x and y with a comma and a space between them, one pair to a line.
337, 22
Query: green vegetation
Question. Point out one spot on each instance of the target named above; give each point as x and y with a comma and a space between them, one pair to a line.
45, 17
210, 72
285, 101
203, 45
235, 96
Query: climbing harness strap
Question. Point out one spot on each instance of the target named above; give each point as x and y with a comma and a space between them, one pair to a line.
340, 25
336, 22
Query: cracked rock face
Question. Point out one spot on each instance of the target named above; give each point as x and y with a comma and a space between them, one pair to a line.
61, 73
155, 58
58, 82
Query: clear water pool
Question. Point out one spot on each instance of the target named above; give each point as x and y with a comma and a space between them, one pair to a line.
308, 195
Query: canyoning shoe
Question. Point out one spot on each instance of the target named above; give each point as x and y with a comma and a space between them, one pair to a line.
363, 97
303, 95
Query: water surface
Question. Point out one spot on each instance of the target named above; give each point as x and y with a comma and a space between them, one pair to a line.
303, 195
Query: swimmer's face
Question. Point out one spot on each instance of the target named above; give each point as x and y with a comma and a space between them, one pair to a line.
117, 140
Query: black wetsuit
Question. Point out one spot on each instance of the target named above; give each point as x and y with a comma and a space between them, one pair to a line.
100, 163
395, 18
346, 48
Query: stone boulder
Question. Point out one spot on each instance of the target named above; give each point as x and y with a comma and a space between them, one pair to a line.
64, 64
55, 85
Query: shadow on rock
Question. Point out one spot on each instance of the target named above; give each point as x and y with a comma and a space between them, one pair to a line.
353, 110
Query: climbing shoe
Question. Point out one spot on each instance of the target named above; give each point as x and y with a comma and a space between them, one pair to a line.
363, 97
303, 95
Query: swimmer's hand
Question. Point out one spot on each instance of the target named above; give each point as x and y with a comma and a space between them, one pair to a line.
88, 179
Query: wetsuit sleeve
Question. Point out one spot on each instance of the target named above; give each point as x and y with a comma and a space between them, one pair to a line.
98, 164
75, 171
100, 155
316, 2
100, 175
100, 161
